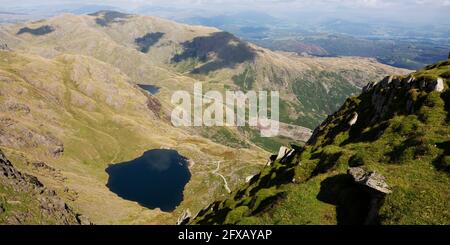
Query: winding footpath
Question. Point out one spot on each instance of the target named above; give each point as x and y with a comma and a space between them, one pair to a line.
216, 172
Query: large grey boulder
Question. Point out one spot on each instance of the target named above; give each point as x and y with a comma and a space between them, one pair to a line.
372, 180
285, 154
439, 86
83, 220
353, 120
376, 185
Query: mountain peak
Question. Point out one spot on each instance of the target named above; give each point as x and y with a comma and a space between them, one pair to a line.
395, 132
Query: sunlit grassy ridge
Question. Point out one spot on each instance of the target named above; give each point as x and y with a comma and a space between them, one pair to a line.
402, 132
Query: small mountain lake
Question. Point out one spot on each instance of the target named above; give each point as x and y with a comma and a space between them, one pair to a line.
154, 180
150, 88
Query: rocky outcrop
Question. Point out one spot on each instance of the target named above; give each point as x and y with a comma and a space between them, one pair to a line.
283, 155
439, 87
249, 178
42, 167
282, 152
376, 185
184, 218
353, 120
4, 46
369, 131
372, 180
271, 160
16, 135
384, 93
46, 201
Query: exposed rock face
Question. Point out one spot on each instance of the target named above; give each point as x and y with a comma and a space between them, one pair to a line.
384, 93
249, 178
42, 167
17, 107
380, 130
154, 105
58, 150
372, 180
4, 46
16, 135
184, 218
353, 120
282, 152
439, 87
271, 160
285, 154
83, 220
51, 207
377, 187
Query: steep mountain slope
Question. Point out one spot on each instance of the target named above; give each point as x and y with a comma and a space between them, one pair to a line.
173, 56
382, 158
65, 119
24, 200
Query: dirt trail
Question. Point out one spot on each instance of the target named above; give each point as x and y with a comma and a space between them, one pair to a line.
216, 172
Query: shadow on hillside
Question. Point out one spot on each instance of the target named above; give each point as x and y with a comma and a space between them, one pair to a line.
40, 31
442, 163
446, 98
351, 201
148, 40
326, 162
227, 49
358, 133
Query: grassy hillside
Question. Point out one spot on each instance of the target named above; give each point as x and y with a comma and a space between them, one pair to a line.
77, 115
69, 99
398, 127
25, 200
173, 56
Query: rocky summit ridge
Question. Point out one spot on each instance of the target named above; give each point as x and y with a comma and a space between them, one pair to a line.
382, 158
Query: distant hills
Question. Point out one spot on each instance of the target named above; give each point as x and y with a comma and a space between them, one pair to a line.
399, 52
70, 98
401, 45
